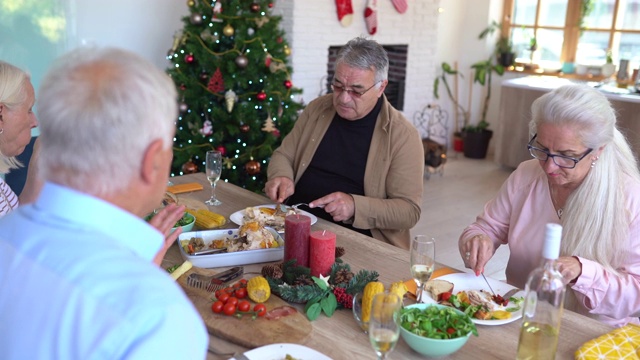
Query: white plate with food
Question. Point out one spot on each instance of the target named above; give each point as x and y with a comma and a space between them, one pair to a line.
470, 283
267, 215
284, 352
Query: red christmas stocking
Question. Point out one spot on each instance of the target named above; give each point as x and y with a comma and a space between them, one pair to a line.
371, 16
400, 5
345, 12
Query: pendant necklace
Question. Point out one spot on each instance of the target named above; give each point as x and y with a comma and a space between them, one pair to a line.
559, 210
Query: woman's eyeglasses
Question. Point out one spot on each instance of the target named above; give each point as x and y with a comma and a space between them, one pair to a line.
562, 161
339, 89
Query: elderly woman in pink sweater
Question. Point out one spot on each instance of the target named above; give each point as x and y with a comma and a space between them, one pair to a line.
584, 177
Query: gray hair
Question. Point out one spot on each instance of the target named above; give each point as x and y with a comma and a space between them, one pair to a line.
13, 85
365, 54
100, 109
596, 221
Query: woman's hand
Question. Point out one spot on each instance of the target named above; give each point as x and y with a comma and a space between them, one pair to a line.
476, 252
164, 221
570, 268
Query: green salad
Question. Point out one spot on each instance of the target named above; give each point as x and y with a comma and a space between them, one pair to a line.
184, 220
437, 322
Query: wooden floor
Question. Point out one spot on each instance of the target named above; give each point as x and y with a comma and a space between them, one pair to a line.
452, 201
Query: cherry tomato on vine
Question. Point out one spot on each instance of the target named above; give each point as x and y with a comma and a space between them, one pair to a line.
232, 300
217, 307
241, 293
229, 290
260, 309
224, 297
243, 282
244, 305
229, 309
218, 293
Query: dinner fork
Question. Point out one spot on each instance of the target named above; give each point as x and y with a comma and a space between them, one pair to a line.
214, 282
295, 207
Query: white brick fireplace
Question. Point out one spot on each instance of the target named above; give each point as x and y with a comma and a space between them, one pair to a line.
312, 27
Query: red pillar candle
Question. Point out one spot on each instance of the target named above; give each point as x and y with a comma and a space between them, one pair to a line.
322, 252
296, 239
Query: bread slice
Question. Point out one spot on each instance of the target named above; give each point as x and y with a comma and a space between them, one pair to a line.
436, 287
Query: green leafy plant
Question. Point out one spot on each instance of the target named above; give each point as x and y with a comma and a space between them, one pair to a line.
446, 71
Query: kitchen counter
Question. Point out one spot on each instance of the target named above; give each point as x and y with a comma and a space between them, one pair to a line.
515, 113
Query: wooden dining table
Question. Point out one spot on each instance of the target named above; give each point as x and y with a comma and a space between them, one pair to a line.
339, 336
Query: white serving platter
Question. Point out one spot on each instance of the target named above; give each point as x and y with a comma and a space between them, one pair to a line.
231, 258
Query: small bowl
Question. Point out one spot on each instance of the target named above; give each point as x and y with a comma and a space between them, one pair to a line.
189, 226
433, 347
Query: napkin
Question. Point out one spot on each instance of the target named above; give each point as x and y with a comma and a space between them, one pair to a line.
621, 343
411, 284
182, 188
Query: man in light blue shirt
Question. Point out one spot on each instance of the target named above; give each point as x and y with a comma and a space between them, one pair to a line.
76, 267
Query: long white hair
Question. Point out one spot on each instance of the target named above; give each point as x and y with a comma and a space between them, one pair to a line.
13, 92
595, 220
99, 109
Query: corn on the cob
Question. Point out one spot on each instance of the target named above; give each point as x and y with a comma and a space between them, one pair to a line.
181, 270
206, 219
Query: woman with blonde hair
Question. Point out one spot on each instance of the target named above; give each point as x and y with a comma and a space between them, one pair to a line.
17, 99
585, 177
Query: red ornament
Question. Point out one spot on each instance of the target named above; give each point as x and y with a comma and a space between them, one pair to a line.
183, 87
245, 128
189, 167
270, 5
222, 149
267, 61
216, 83
261, 96
276, 133
279, 39
204, 76
189, 58
255, 7
252, 167
288, 84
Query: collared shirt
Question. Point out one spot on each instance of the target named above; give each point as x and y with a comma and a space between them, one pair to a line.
78, 282
517, 217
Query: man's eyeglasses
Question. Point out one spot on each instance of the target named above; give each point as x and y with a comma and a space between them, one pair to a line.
339, 89
562, 161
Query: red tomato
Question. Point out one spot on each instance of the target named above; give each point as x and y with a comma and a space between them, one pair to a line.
218, 293
445, 296
241, 293
232, 300
217, 307
224, 297
229, 309
451, 330
228, 290
237, 285
260, 309
243, 282
244, 305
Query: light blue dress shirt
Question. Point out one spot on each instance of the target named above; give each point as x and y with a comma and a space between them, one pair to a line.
77, 282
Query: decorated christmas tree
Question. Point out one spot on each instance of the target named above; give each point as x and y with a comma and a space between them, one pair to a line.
230, 66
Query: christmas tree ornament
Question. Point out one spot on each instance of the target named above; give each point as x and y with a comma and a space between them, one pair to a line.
230, 99
261, 96
279, 40
268, 124
191, 3
276, 133
196, 19
242, 61
228, 30
251, 31
270, 5
286, 50
228, 163
371, 16
216, 83
204, 76
245, 128
288, 84
275, 66
217, 8
345, 12
400, 5
189, 58
252, 167
178, 38
261, 21
280, 109
207, 128
267, 60
189, 167
206, 35
183, 107
222, 149
183, 87
255, 7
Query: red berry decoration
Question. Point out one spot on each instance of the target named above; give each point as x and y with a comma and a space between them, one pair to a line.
288, 84
252, 167
261, 96
222, 149
244, 128
189, 58
343, 298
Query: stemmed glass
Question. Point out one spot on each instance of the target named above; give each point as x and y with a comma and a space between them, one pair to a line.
384, 329
213, 170
423, 259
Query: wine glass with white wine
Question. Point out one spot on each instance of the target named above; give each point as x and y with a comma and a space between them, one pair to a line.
423, 260
213, 169
384, 329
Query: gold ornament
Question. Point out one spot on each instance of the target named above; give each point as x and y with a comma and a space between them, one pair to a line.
191, 2
230, 99
228, 30
287, 50
275, 66
228, 162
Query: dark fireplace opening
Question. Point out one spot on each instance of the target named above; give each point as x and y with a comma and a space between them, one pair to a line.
397, 72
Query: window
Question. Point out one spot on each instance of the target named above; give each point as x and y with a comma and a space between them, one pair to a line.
580, 31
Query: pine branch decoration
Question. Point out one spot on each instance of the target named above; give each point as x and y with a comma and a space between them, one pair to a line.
360, 280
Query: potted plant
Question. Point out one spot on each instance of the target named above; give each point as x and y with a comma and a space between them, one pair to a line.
446, 71
477, 137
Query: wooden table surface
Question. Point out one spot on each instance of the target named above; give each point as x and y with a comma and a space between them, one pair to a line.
339, 336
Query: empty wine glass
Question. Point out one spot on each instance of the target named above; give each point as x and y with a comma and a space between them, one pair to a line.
423, 260
213, 170
384, 329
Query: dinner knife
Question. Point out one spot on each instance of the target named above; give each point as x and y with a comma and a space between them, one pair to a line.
240, 356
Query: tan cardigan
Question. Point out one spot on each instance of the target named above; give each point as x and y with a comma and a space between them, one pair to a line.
393, 176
